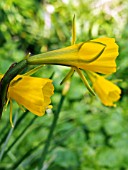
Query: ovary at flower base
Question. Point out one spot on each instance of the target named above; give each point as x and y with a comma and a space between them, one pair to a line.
31, 92
107, 91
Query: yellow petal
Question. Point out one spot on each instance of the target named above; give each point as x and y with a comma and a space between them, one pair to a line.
33, 93
1, 75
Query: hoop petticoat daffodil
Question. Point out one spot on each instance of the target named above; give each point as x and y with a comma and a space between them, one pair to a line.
31, 92
96, 55
107, 91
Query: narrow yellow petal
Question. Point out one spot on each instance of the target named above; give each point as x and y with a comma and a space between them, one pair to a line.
33, 71
1, 75
70, 73
73, 31
85, 81
11, 113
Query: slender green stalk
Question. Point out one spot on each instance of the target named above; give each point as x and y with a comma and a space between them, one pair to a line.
50, 135
7, 139
26, 155
20, 135
16, 126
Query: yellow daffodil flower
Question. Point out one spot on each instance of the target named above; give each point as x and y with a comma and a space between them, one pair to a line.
96, 55
107, 91
31, 92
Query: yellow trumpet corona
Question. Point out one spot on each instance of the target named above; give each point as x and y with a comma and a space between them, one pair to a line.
107, 91
96, 55
31, 92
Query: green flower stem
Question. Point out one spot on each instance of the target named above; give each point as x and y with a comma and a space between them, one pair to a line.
17, 124
19, 136
7, 139
15, 69
52, 128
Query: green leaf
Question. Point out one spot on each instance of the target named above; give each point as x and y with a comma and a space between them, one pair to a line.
65, 158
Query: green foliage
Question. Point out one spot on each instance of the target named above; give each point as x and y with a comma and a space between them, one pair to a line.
88, 135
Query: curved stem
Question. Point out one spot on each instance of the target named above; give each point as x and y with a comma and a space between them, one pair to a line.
52, 128
15, 69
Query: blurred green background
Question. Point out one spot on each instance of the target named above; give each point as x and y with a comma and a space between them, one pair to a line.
88, 136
